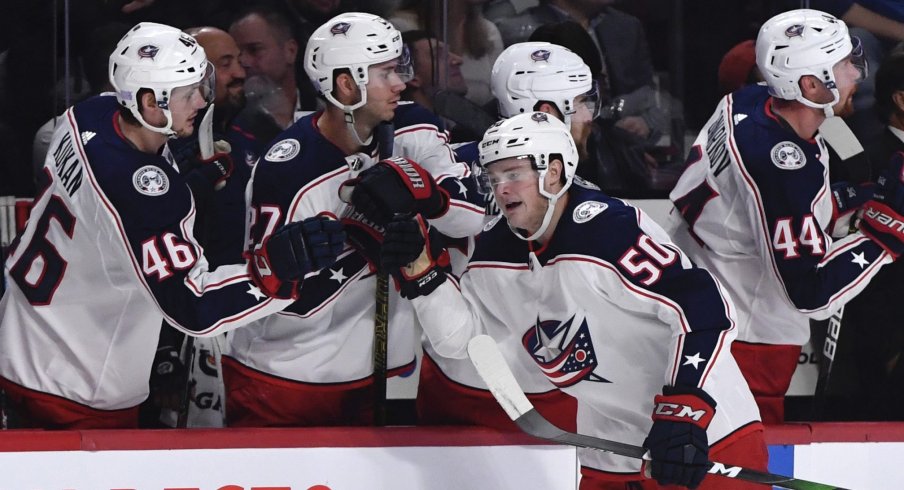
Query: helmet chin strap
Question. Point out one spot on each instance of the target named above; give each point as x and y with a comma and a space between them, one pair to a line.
547, 217
166, 130
350, 124
828, 109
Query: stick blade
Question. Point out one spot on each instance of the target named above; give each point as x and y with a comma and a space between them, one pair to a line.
498, 377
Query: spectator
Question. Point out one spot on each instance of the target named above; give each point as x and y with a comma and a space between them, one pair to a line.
469, 34
439, 86
754, 205
603, 304
269, 52
738, 67
108, 252
314, 365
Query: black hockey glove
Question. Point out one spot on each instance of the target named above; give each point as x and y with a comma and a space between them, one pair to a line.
677, 441
294, 250
882, 219
429, 260
168, 377
397, 186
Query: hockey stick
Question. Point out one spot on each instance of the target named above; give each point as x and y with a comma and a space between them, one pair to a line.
826, 361
385, 135
496, 374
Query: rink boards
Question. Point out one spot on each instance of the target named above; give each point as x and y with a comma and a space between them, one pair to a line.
855, 456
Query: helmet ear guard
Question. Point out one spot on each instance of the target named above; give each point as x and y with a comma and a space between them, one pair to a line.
161, 59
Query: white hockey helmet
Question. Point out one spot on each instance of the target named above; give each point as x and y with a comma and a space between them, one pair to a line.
353, 41
159, 58
527, 73
804, 42
535, 135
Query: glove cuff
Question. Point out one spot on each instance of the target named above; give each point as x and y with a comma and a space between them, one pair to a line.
684, 404
884, 226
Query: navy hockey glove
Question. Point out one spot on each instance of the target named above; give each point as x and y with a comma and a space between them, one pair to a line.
847, 200
168, 377
403, 243
882, 220
677, 441
212, 171
294, 250
397, 186
429, 266
365, 236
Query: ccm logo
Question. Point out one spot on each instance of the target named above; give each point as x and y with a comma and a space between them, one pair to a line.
879, 216
721, 469
680, 411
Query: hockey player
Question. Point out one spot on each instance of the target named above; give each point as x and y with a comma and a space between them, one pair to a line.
526, 77
604, 305
313, 363
754, 205
109, 253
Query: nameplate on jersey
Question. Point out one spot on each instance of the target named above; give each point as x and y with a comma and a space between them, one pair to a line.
716, 147
587, 210
67, 165
151, 180
788, 156
285, 150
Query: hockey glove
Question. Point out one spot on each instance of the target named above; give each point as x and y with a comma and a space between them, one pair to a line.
677, 441
396, 186
294, 250
847, 200
365, 236
215, 170
168, 377
429, 267
882, 220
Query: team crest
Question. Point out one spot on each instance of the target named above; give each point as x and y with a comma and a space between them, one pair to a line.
794, 31
150, 181
340, 28
563, 350
788, 156
148, 51
284, 150
540, 55
587, 210
539, 117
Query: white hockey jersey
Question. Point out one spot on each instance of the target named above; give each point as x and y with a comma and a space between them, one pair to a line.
609, 310
754, 207
327, 335
107, 255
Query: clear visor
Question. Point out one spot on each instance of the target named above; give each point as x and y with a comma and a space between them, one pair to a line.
206, 87
590, 100
404, 68
490, 177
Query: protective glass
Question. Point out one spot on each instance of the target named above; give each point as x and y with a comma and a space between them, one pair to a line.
858, 58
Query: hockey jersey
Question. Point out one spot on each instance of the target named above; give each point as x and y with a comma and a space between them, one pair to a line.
609, 310
754, 206
107, 255
326, 336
